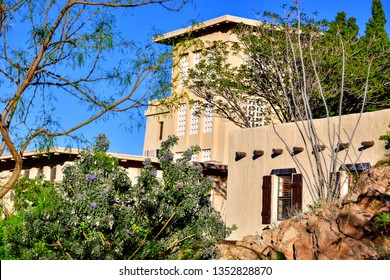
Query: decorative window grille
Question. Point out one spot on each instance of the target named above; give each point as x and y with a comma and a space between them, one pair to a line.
194, 157
254, 113
197, 58
184, 68
195, 118
208, 118
178, 155
206, 155
181, 127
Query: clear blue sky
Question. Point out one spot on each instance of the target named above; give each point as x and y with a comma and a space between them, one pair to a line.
143, 20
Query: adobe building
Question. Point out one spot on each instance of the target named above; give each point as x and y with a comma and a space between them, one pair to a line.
272, 169
209, 132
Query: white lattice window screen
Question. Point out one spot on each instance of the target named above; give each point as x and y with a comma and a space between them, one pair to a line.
181, 126
194, 157
184, 68
208, 118
178, 155
206, 155
197, 58
195, 118
254, 112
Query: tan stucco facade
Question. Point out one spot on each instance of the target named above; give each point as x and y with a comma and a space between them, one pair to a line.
244, 199
198, 39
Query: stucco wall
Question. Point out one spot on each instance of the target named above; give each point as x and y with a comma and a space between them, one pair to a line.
244, 199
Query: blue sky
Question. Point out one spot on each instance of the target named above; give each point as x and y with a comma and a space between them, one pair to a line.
143, 21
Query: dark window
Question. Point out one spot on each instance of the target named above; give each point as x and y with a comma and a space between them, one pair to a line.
161, 130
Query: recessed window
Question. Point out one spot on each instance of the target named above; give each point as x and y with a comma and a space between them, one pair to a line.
206, 155
160, 130
254, 112
181, 126
178, 155
184, 68
197, 58
195, 118
208, 118
284, 197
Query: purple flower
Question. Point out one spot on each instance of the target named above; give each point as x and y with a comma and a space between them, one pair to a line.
91, 177
104, 193
164, 159
154, 173
94, 205
170, 156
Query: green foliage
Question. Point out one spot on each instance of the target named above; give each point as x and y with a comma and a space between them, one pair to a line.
321, 70
96, 213
375, 28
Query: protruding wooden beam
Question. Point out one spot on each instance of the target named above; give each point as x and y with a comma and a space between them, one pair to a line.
258, 153
240, 155
318, 148
368, 144
277, 151
297, 150
342, 146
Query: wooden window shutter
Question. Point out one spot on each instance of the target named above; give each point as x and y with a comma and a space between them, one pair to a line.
266, 212
296, 191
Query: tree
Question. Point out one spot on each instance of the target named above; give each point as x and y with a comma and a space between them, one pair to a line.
59, 56
331, 51
97, 213
376, 24
376, 46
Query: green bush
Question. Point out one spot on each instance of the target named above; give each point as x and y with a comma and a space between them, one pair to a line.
96, 213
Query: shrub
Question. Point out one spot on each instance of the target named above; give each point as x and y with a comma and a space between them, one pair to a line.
96, 213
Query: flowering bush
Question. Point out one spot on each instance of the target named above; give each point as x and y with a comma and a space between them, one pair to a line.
96, 213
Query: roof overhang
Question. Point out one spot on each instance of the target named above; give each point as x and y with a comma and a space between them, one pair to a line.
170, 37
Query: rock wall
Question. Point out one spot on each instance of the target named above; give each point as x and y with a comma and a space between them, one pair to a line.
348, 229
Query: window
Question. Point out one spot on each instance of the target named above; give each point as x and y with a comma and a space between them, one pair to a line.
161, 129
208, 118
197, 58
178, 155
287, 197
206, 155
284, 197
184, 68
195, 118
194, 157
345, 180
181, 127
254, 112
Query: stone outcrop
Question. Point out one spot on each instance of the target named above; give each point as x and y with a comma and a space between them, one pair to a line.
348, 229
